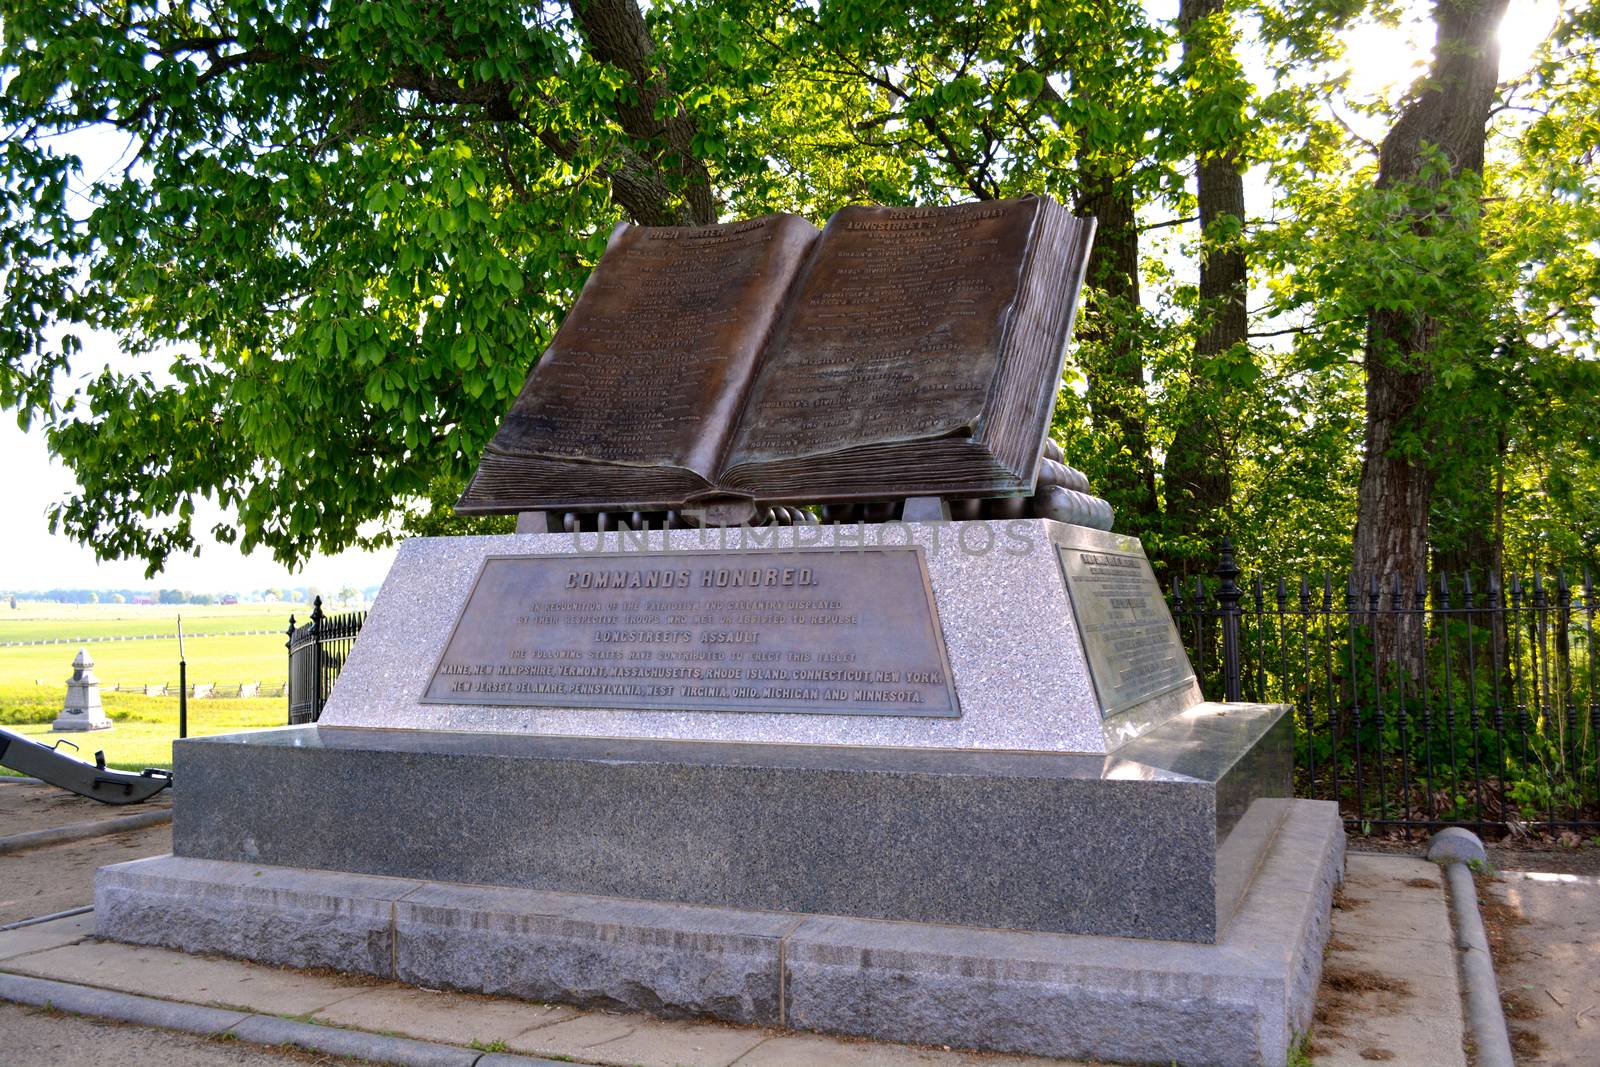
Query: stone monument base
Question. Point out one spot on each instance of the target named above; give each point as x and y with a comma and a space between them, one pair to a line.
1242, 1000
70, 723
1158, 839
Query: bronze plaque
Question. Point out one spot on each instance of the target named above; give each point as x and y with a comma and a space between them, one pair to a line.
816, 630
1128, 634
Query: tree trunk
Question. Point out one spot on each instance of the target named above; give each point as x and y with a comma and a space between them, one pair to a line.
1109, 347
660, 181
1448, 111
1198, 479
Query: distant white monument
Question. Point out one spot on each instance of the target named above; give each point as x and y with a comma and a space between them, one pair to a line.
83, 710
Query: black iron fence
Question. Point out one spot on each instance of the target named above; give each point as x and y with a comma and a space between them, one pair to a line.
317, 651
1420, 706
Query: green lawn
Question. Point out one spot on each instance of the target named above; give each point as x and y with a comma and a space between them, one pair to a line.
33, 686
146, 726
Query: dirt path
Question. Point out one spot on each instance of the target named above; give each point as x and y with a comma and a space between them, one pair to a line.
41, 807
47, 880
1580, 854
1546, 931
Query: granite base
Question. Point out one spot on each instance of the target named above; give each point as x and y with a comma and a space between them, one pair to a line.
1242, 1000
1158, 840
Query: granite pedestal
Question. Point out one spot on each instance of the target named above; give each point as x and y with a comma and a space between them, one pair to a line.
1047, 865
1242, 1000
1006, 622
1025, 841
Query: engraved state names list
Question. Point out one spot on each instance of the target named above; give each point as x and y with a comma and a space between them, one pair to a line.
833, 632
1128, 635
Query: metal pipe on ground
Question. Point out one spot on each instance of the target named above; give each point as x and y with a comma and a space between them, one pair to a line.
1455, 848
57, 835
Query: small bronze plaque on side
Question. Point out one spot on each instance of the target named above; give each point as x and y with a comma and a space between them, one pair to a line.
1128, 634
822, 631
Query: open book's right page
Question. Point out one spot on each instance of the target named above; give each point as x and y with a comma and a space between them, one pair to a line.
920, 352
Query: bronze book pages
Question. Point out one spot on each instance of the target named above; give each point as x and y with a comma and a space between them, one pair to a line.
905, 351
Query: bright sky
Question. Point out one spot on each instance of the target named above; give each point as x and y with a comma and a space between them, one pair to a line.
1386, 58
34, 560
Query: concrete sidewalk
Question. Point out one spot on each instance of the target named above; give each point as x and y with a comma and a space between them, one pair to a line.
66, 951
1390, 993
1390, 990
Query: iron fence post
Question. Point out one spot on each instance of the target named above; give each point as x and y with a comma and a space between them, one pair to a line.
288, 688
1228, 597
316, 662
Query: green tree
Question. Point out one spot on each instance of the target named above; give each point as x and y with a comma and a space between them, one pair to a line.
1429, 170
341, 234
1198, 478
354, 224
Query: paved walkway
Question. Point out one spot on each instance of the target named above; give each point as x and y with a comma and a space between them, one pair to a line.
1390, 991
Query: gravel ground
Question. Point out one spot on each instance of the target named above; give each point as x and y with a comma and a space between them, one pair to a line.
43, 881
41, 807
39, 1038
1544, 930
1509, 855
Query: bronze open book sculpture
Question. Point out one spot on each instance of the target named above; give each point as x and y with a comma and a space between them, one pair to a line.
899, 352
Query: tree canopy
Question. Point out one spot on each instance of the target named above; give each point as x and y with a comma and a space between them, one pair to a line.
339, 235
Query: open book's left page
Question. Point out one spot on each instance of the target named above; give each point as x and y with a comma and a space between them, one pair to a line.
650, 367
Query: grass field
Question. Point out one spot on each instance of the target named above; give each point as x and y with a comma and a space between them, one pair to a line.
146, 726
33, 678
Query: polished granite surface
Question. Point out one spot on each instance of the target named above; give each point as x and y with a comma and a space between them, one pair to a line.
1202, 745
1016, 656
1157, 841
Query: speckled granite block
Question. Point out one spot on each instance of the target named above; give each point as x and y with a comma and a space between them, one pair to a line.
270, 914
595, 952
1015, 654
1239, 1002
1157, 840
